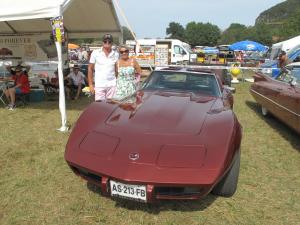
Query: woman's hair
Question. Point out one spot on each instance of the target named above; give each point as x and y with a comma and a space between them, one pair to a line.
124, 46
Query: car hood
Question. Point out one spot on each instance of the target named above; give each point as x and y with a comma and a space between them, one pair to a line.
162, 113
156, 137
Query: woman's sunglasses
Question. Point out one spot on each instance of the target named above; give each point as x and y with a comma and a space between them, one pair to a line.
125, 51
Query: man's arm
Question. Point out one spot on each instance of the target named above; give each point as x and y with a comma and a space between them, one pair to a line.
90, 77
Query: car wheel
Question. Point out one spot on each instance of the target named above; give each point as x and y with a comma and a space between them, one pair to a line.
264, 111
228, 185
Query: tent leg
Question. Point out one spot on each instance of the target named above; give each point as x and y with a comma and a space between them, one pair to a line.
62, 99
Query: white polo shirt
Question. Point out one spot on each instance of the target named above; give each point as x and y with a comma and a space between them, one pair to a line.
104, 68
77, 79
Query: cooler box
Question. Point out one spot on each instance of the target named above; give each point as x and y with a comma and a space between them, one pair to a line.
37, 95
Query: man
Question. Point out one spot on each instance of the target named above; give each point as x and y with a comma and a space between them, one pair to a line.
103, 62
77, 80
283, 61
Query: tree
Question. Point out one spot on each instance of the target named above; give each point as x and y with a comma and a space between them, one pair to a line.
234, 33
202, 34
175, 31
126, 34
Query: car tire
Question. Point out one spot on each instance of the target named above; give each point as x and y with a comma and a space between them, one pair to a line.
264, 111
228, 185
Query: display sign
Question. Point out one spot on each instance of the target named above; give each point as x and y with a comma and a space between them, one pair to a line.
17, 48
161, 55
58, 29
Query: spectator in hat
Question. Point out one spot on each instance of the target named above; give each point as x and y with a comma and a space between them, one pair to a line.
77, 82
283, 61
21, 86
23, 66
102, 62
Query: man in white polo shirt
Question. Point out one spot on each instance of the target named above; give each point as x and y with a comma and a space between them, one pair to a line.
103, 62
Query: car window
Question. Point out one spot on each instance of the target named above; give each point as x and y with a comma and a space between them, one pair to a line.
178, 50
184, 82
296, 76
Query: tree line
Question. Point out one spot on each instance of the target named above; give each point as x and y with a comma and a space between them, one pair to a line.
207, 34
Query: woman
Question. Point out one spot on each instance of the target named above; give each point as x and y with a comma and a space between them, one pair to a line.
128, 73
21, 86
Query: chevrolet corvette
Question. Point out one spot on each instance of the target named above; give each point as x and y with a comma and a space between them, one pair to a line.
175, 138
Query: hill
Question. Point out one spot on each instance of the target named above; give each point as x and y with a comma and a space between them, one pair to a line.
279, 13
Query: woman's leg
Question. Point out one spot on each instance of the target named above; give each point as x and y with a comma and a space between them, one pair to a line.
6, 92
12, 94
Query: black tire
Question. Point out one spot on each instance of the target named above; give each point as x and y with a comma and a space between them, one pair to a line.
228, 185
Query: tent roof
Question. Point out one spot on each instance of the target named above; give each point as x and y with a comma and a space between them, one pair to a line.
88, 18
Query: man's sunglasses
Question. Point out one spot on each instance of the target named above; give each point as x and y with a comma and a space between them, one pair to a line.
125, 51
107, 42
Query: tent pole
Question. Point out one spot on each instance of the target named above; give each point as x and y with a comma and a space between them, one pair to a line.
62, 98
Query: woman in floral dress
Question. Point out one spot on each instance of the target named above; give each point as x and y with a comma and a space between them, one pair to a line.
128, 72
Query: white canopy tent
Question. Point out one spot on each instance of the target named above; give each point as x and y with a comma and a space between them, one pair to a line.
82, 19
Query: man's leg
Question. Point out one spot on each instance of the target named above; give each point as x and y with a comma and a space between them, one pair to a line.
78, 91
100, 94
68, 90
110, 92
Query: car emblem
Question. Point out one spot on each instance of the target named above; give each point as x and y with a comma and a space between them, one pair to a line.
134, 156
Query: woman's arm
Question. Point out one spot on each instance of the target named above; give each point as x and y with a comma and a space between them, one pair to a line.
137, 67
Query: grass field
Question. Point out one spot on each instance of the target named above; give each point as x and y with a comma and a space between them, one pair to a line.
37, 187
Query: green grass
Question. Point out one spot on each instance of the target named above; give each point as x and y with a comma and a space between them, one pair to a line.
37, 187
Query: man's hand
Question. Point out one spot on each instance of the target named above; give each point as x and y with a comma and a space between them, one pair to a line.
92, 89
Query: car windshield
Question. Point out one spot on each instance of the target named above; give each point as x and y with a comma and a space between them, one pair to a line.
296, 75
198, 83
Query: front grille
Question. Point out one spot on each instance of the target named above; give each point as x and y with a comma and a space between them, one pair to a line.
177, 191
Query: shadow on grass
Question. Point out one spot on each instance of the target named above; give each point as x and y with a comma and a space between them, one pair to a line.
165, 205
53, 104
286, 132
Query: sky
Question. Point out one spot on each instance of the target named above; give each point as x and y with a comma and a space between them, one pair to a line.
150, 18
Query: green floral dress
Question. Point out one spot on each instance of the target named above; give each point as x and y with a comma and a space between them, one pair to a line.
126, 83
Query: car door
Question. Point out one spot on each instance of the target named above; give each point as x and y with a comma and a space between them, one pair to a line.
288, 100
178, 54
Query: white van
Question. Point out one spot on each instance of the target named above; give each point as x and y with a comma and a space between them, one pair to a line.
160, 52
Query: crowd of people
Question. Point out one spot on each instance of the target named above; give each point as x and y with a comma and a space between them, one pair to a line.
111, 75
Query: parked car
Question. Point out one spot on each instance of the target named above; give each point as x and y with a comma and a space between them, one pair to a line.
280, 96
175, 138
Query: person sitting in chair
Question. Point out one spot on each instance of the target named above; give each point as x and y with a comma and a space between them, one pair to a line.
78, 81
21, 86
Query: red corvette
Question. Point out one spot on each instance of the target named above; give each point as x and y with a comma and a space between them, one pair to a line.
176, 138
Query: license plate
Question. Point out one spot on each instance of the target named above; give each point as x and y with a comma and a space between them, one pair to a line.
136, 192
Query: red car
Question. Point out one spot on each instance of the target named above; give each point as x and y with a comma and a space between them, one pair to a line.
176, 138
280, 96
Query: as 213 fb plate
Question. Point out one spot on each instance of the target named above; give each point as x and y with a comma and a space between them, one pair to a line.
129, 191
